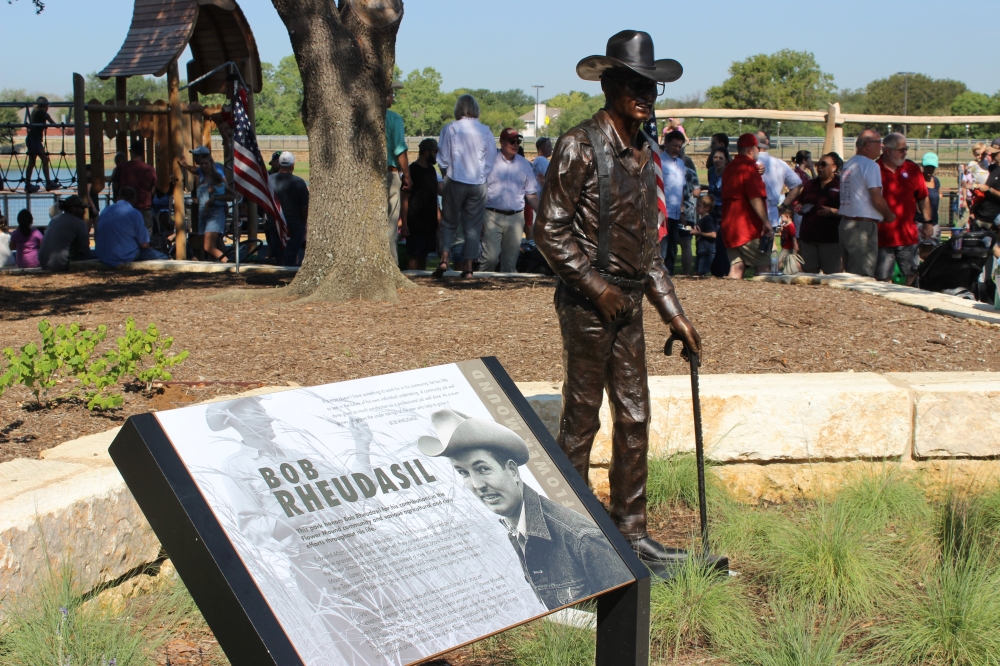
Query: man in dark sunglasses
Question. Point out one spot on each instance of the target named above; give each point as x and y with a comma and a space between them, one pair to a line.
510, 185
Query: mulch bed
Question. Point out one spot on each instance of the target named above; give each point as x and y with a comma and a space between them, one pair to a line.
747, 327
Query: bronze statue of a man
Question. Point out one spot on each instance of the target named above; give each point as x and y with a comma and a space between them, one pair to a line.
597, 227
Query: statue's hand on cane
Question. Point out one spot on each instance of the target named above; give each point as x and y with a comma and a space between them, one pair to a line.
683, 330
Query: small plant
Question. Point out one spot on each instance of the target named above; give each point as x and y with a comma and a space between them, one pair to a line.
56, 626
542, 643
140, 354
64, 351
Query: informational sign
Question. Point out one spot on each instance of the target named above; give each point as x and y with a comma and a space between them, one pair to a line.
382, 520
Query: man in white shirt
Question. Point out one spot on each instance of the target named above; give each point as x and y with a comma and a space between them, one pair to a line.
862, 206
777, 175
674, 175
511, 183
541, 163
466, 155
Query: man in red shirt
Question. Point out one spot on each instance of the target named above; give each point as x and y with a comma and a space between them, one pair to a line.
142, 178
744, 210
903, 187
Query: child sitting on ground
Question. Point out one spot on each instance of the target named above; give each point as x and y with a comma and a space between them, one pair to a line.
705, 232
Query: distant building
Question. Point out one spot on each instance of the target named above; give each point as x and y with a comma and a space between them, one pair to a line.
539, 117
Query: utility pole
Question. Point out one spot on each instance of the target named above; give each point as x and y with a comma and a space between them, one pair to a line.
906, 95
538, 121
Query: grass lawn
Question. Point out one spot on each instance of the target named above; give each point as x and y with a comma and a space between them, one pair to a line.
878, 574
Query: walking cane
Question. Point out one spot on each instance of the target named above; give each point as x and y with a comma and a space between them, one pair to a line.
717, 562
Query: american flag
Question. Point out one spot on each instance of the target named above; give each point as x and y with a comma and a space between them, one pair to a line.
661, 199
249, 170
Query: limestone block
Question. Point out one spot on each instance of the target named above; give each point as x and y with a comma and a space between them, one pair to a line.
23, 475
789, 417
89, 450
89, 520
956, 413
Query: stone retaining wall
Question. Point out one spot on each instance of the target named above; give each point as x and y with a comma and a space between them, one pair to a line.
773, 437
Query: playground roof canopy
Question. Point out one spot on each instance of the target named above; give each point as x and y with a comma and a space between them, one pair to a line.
217, 31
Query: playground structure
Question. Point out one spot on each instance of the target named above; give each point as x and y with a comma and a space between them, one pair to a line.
223, 50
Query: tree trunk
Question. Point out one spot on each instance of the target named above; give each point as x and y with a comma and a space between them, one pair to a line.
346, 56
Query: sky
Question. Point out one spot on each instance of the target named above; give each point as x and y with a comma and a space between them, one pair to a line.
504, 44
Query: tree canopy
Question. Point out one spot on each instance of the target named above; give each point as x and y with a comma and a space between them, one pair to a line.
788, 80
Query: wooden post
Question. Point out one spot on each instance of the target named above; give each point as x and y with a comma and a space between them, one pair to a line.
80, 135
121, 138
176, 152
834, 139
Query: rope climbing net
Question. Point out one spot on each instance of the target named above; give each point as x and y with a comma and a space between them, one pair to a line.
24, 168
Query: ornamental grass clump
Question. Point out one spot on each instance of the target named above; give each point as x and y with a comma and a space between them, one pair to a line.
541, 643
825, 557
674, 479
952, 617
56, 626
797, 635
883, 494
699, 607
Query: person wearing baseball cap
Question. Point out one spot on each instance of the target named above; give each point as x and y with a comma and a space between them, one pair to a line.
273, 163
930, 162
744, 210
293, 195
565, 556
597, 229
510, 185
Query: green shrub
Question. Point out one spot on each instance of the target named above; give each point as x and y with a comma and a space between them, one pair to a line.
825, 557
698, 607
745, 533
882, 495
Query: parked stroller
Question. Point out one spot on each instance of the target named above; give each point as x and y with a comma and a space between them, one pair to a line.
962, 266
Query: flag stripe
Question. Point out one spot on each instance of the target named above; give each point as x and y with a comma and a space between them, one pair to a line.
249, 171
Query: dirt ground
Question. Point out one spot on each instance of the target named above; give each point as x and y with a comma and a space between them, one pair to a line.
747, 327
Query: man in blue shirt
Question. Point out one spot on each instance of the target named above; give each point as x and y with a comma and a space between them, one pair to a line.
121, 233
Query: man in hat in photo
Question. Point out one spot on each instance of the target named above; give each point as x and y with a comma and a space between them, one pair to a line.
597, 228
564, 555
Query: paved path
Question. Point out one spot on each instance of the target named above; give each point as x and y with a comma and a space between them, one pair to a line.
943, 304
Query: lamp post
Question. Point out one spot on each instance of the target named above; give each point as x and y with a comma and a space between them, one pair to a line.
906, 94
538, 122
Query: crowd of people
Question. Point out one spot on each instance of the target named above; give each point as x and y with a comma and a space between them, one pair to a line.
867, 216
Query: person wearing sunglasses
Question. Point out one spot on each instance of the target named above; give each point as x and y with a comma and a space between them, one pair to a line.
904, 189
511, 184
818, 202
862, 206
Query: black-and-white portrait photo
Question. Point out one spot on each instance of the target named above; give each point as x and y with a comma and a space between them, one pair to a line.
565, 556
